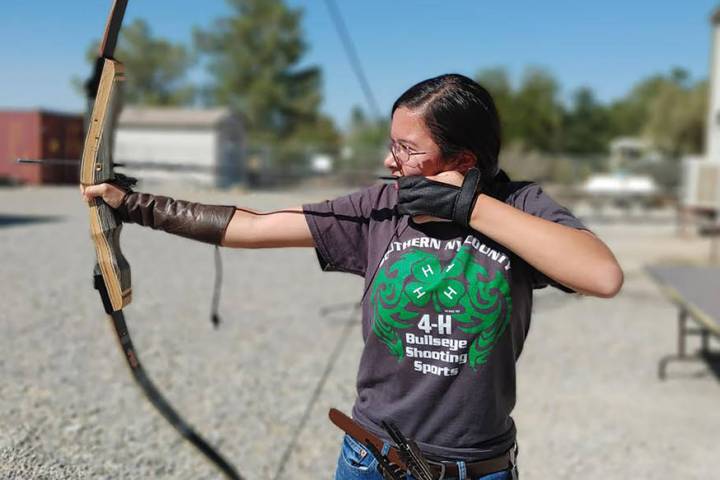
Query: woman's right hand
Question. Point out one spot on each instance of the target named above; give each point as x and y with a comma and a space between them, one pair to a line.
110, 194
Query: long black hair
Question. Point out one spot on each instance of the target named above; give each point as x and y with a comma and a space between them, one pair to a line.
461, 116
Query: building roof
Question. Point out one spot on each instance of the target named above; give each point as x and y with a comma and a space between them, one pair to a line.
634, 143
40, 111
173, 117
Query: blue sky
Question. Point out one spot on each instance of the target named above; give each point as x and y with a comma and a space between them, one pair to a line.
607, 45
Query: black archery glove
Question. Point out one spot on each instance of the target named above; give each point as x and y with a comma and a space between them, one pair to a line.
418, 195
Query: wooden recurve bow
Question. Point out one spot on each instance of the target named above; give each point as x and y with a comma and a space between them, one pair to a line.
112, 271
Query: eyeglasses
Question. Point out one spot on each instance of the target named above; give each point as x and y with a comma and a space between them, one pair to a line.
401, 154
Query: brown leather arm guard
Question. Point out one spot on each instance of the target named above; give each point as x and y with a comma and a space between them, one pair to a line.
197, 221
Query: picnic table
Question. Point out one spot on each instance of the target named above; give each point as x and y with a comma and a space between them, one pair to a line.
696, 292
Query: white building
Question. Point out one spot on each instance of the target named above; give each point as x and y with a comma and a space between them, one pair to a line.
712, 142
200, 147
701, 174
625, 152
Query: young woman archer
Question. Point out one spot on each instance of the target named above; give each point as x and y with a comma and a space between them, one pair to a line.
451, 254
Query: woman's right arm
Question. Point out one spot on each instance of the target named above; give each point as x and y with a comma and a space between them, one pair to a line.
228, 226
283, 228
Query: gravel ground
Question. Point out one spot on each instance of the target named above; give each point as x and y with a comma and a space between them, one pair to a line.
589, 403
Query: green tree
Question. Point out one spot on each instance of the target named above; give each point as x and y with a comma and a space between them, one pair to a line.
586, 126
320, 133
539, 112
629, 114
668, 109
497, 82
253, 57
676, 117
155, 68
366, 140
531, 115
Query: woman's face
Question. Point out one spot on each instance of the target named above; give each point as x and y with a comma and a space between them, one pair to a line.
415, 151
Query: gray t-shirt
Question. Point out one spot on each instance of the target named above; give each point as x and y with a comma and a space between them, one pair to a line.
444, 318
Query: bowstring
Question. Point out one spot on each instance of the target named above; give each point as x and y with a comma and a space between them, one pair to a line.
329, 365
342, 339
217, 288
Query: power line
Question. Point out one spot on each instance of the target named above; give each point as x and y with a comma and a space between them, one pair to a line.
352, 55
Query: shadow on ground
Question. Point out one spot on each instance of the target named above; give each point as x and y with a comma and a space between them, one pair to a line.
15, 220
712, 359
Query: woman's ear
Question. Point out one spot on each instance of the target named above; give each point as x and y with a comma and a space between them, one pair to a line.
463, 162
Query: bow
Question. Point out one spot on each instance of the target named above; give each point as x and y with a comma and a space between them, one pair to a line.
112, 271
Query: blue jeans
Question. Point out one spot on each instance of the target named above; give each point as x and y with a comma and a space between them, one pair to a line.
357, 463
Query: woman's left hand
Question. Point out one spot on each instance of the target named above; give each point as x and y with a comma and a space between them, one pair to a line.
110, 194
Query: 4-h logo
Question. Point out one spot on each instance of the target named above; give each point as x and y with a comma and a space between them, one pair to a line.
478, 304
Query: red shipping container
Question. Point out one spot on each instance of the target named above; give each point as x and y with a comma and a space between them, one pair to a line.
40, 134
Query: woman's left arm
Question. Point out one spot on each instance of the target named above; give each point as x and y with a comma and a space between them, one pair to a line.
575, 258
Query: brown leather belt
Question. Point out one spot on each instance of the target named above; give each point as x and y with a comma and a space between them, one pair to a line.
473, 469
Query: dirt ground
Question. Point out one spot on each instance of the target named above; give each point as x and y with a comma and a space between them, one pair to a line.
590, 404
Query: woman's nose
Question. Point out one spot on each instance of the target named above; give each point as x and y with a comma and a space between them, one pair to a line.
389, 161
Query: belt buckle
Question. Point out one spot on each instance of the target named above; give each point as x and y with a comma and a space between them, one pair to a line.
440, 465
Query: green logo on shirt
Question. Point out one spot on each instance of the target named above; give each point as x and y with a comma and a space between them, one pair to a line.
405, 290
